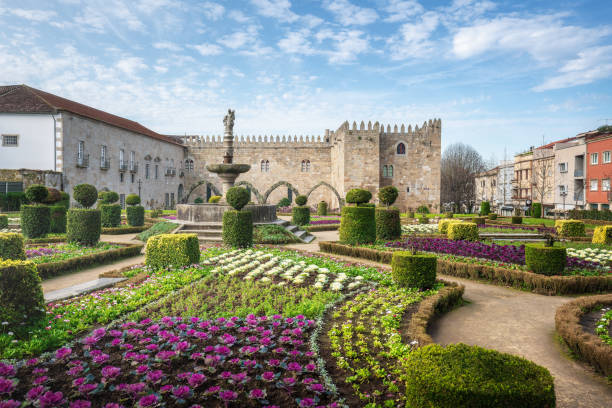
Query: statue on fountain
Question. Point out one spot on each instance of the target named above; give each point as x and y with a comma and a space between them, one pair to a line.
228, 121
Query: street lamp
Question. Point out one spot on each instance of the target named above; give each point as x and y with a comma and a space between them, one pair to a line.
139, 187
563, 195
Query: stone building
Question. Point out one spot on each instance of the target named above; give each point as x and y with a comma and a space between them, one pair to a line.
570, 174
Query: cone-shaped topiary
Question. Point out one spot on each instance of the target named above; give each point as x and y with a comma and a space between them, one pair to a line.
85, 194
36, 193
358, 196
237, 197
387, 195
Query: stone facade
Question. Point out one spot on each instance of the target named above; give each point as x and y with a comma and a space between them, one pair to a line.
570, 174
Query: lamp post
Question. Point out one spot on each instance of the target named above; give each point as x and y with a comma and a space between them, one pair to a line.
139, 187
563, 195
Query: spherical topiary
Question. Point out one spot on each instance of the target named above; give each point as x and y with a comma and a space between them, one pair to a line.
85, 194
198, 200
284, 202
36, 193
132, 199
358, 196
35, 220
387, 195
135, 215
544, 259
357, 225
83, 226
214, 199
388, 225
413, 270
110, 197
301, 200
53, 196
300, 215
237, 197
238, 228
322, 208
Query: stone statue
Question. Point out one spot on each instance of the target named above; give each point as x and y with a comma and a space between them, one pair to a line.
228, 121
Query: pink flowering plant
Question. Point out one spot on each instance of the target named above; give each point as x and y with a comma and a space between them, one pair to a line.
61, 252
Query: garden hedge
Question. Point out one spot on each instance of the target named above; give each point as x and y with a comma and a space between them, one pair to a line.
238, 228
85, 194
516, 219
467, 231
37, 193
536, 210
11, 246
322, 208
479, 220
387, 195
587, 346
198, 200
443, 224
172, 250
58, 219
125, 230
237, 197
35, 220
459, 375
3, 221
602, 235
322, 227
357, 225
301, 200
388, 225
21, 294
12, 201
545, 260
410, 214
132, 199
83, 226
300, 215
492, 216
448, 215
413, 270
423, 220
423, 209
570, 228
485, 208
358, 196
135, 215
110, 214
284, 202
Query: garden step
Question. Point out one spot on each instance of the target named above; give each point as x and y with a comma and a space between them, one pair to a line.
210, 239
299, 233
291, 228
202, 226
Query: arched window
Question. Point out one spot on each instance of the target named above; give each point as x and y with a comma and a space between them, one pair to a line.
401, 148
390, 171
187, 165
190, 165
305, 165
265, 166
385, 171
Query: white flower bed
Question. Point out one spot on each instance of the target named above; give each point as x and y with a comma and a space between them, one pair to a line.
263, 267
602, 256
420, 229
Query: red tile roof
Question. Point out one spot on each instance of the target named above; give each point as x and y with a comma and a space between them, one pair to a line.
24, 99
551, 144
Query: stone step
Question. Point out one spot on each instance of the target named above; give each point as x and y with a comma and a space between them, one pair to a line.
200, 227
210, 240
308, 239
300, 233
291, 228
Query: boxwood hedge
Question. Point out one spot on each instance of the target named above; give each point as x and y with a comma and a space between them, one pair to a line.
570, 228
174, 250
388, 225
3, 221
135, 215
357, 225
238, 228
517, 219
83, 226
322, 208
21, 294
58, 219
467, 231
110, 214
300, 215
11, 246
545, 260
602, 235
413, 270
35, 220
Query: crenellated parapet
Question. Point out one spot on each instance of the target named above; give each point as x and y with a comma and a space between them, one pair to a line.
257, 141
433, 127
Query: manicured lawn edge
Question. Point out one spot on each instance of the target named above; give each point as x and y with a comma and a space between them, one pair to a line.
586, 345
50, 269
541, 284
49, 240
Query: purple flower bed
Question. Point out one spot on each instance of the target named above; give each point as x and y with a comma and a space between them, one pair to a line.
541, 230
169, 217
42, 251
251, 362
500, 253
323, 222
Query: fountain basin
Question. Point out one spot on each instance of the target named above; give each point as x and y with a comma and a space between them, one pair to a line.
190, 213
225, 168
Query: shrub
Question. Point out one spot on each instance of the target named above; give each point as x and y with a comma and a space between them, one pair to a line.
485, 208
387, 195
108, 197
479, 220
11, 246
3, 222
162, 227
156, 213
214, 199
53, 196
443, 225
284, 202
570, 228
175, 250
273, 234
413, 270
110, 214
65, 200
545, 260
410, 214
388, 225
357, 225
300, 215
358, 196
492, 216
36, 193
467, 231
12, 201
35, 220
449, 215
21, 295
58, 219
459, 375
238, 228
237, 197
516, 219
135, 215
536, 210
602, 235
83, 226
423, 220
198, 200
301, 200
322, 208
132, 199
423, 209
85, 194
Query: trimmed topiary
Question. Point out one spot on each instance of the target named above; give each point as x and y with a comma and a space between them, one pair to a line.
3, 222
479, 220
423, 220
423, 209
214, 199
492, 216
172, 250
301, 200
358, 196
516, 219
65, 200
449, 215
11, 246
465, 231
58, 219
53, 196
602, 235
21, 294
85, 194
238, 228
322, 208
198, 200
83, 226
36, 193
109, 197
443, 225
414, 270
284, 202
387, 195
485, 208
570, 228
132, 199
110, 214
459, 375
135, 215
357, 225
300, 215
410, 214
545, 260
237, 197
388, 225
35, 220
536, 210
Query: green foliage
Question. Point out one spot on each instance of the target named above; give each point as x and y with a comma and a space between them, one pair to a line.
11, 246
198, 200
163, 227
301, 200
58, 219
64, 200
492, 216
12, 201
410, 214
459, 375
238, 228
237, 197
132, 199
284, 202
214, 199
36, 193
605, 129
110, 214
485, 208
545, 260
479, 220
172, 250
135, 215
357, 225
35, 220
300, 215
83, 226
85, 194
414, 270
570, 228
322, 208
467, 231
536, 210
273, 234
21, 295
517, 219
423, 220
449, 215
387, 195
3, 222
156, 213
443, 224
602, 235
388, 225
358, 196
108, 197
53, 196
423, 209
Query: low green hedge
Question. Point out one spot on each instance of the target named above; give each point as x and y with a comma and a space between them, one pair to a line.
3, 221
58, 219
357, 225
492, 216
570, 228
388, 225
467, 231
238, 228
110, 215
479, 220
174, 250
459, 375
423, 220
321, 227
21, 294
11, 246
516, 219
35, 220
485, 208
135, 215
125, 230
413, 270
322, 208
443, 225
448, 215
300, 215
602, 235
545, 260
83, 226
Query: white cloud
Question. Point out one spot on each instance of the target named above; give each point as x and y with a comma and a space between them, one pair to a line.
349, 14
297, 42
348, 45
213, 11
32, 15
131, 65
239, 16
167, 45
400, 10
151, 6
207, 49
413, 39
115, 15
239, 39
278, 9
462, 11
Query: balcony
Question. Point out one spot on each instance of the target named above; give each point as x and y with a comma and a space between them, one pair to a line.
104, 164
82, 161
578, 197
133, 167
170, 171
123, 166
579, 173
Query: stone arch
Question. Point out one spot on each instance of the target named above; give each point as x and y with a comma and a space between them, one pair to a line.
258, 196
325, 184
198, 184
277, 185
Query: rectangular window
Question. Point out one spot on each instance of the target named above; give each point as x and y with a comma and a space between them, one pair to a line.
132, 177
10, 140
562, 189
167, 201
156, 171
121, 177
103, 153
594, 185
562, 167
132, 160
147, 168
122, 200
605, 185
594, 158
606, 157
80, 150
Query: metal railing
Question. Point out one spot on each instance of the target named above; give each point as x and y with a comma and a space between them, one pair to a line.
82, 160
105, 164
123, 166
578, 173
578, 196
133, 167
170, 171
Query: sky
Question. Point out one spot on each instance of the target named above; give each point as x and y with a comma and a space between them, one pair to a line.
502, 75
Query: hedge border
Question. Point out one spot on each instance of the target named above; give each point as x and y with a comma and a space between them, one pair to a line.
321, 227
587, 345
536, 283
125, 230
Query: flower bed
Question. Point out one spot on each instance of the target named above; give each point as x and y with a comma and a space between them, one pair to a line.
518, 228
420, 229
324, 221
596, 255
62, 252
603, 326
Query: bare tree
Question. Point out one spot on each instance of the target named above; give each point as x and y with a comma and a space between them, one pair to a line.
459, 165
542, 179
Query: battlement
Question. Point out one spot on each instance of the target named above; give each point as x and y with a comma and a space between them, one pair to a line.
256, 140
433, 126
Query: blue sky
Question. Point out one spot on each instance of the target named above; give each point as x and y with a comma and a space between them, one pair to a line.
500, 74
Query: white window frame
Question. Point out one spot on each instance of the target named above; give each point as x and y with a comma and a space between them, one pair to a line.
5, 137
606, 157
80, 150
121, 158
132, 159
594, 158
103, 153
562, 189
563, 167
594, 185
605, 184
